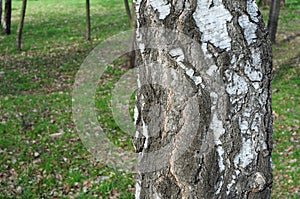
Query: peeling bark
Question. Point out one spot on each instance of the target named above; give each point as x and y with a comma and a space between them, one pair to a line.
206, 106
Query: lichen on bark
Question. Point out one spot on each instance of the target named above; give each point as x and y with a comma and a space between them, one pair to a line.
204, 126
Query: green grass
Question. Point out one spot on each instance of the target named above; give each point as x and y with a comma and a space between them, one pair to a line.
35, 88
36, 101
286, 103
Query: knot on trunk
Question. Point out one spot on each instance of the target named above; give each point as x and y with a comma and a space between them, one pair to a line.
257, 182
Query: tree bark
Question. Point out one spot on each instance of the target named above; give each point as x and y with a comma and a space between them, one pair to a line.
131, 54
203, 111
127, 8
7, 17
273, 19
21, 25
0, 14
88, 20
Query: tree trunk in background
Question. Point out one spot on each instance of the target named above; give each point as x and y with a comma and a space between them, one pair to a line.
20, 28
268, 2
0, 15
88, 20
273, 19
127, 8
7, 17
203, 111
131, 54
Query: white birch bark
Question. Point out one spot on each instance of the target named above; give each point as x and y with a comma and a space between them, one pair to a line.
218, 91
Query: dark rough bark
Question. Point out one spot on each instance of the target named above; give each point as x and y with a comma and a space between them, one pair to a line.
7, 17
204, 126
0, 15
88, 20
273, 19
21, 25
127, 8
131, 54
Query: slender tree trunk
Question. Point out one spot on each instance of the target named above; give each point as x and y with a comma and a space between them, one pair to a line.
0, 15
88, 20
7, 17
131, 54
21, 24
127, 8
203, 111
273, 19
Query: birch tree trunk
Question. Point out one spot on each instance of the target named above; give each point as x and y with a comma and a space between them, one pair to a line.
203, 111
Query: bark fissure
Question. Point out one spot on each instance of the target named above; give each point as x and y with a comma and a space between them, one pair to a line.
216, 118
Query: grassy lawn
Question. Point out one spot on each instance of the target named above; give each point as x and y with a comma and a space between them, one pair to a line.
36, 88
286, 103
41, 155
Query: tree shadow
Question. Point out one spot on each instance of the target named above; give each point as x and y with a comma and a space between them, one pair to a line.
289, 38
41, 74
286, 66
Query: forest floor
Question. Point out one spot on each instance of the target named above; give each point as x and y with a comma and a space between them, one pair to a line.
41, 154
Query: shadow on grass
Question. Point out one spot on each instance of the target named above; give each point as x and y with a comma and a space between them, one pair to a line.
286, 66
40, 74
289, 38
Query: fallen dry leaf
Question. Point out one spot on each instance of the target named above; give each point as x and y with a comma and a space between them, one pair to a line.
291, 148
